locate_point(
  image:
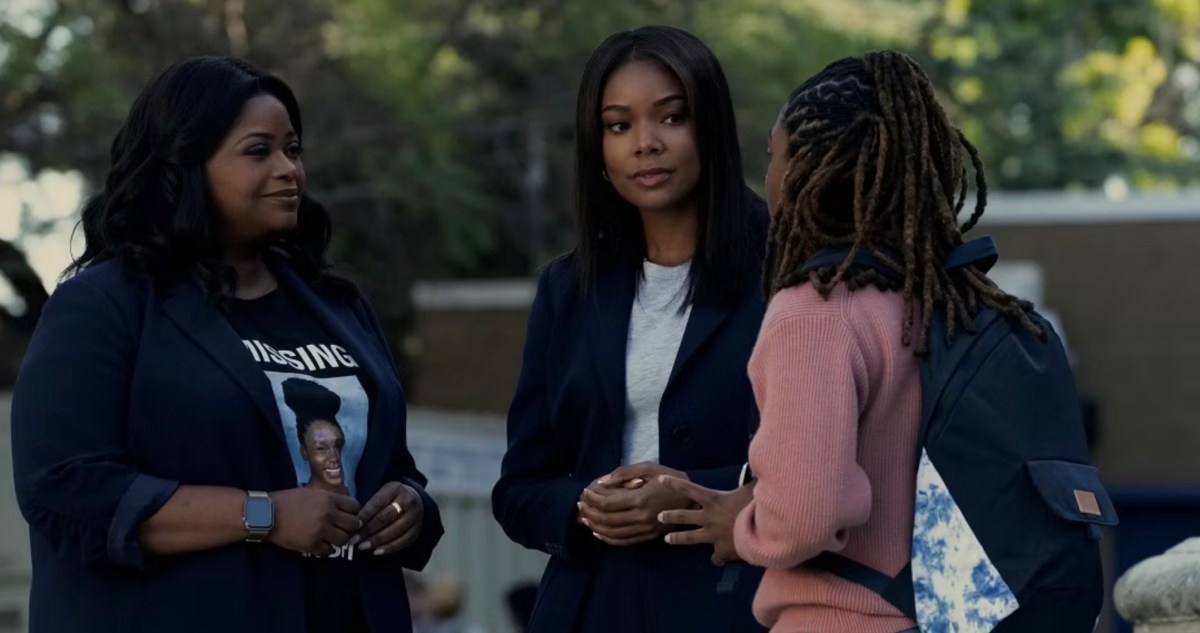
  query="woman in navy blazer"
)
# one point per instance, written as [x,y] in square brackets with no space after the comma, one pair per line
[636,352]
[181,382]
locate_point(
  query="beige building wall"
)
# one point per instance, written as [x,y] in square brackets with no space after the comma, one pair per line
[1128,296]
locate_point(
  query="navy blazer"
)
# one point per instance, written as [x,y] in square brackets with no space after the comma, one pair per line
[565,429]
[129,390]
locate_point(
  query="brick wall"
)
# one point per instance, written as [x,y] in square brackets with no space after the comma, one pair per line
[469,359]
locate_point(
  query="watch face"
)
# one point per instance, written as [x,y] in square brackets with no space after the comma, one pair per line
[259,513]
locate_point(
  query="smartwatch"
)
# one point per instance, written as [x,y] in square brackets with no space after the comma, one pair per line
[258,513]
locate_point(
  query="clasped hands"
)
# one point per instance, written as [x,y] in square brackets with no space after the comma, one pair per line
[317,522]
[622,508]
[645,501]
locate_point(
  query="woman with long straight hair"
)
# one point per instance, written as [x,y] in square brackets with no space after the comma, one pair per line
[634,362]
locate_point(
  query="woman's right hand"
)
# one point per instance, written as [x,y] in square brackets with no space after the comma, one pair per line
[313,521]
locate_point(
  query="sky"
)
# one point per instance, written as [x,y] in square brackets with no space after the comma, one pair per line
[50,201]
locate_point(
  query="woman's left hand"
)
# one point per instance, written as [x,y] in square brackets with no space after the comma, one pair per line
[715,514]
[391,520]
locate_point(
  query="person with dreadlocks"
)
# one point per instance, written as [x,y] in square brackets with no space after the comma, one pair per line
[862,158]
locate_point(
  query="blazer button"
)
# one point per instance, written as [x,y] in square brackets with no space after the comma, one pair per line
[681,435]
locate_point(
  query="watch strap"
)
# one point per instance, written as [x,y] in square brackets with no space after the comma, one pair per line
[746,476]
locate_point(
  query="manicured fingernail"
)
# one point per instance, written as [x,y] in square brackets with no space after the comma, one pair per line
[597,536]
[660,517]
[669,539]
[603,480]
[354,540]
[586,522]
[379,552]
[579,505]
[365,545]
[662,479]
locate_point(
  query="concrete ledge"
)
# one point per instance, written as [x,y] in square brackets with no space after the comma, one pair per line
[1162,594]
[474,294]
[1031,208]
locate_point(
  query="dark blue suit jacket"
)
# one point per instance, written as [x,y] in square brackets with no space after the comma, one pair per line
[565,429]
[128,391]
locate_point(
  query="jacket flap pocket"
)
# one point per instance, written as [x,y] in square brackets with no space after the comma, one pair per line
[1074,491]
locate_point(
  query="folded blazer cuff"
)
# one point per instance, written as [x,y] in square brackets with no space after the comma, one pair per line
[144,497]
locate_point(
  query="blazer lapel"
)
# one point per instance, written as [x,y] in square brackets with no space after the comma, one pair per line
[702,323]
[339,319]
[199,319]
[608,308]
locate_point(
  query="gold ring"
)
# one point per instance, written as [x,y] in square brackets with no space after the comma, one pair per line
[399,510]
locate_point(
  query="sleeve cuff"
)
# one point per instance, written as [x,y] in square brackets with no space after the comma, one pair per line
[747,475]
[570,542]
[145,496]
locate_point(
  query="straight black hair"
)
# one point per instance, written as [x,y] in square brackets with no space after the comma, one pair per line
[731,221]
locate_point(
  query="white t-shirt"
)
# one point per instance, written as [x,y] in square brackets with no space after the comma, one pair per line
[656,325]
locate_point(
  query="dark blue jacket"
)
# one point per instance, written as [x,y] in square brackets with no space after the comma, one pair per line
[565,429]
[128,391]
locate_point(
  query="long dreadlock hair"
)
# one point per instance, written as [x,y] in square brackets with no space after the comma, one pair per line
[875,165]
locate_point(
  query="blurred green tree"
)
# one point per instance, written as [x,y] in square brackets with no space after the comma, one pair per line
[1071,93]
[440,132]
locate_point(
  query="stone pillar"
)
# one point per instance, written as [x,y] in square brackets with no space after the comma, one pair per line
[1162,594]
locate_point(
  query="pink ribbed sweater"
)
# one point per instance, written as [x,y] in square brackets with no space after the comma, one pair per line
[840,403]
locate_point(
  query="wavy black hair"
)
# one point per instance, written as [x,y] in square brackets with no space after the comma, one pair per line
[154,212]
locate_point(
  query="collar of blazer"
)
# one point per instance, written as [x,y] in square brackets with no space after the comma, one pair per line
[607,311]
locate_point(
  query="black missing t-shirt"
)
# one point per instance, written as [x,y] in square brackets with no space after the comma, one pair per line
[324,406]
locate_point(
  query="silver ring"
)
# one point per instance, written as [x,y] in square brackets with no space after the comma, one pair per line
[398,509]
